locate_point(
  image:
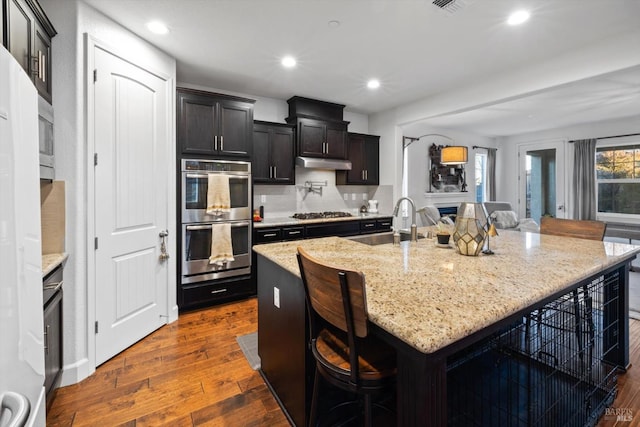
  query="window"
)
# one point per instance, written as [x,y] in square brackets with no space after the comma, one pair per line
[481,177]
[618,179]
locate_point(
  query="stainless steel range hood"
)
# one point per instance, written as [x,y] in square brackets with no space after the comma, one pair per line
[331,164]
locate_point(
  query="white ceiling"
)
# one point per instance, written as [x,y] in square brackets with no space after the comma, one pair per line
[414,48]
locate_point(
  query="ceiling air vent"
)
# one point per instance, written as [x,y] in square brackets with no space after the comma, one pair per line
[450,6]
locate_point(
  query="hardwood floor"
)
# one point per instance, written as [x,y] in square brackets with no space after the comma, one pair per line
[189,373]
[193,373]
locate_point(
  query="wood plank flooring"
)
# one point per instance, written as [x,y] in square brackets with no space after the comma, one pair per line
[193,373]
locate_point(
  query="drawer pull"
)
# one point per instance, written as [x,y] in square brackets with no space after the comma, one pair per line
[294,232]
[219,291]
[369,225]
[270,235]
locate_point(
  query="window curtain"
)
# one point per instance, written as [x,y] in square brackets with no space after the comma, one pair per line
[584,179]
[491,173]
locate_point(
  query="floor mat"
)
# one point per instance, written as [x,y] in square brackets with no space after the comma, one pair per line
[249,346]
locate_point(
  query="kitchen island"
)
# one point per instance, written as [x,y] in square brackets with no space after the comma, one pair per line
[430,303]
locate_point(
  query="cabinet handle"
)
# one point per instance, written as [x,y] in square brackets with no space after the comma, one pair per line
[366,174]
[215,143]
[369,225]
[221,142]
[275,172]
[269,235]
[291,233]
[41,66]
[219,291]
[35,66]
[46,340]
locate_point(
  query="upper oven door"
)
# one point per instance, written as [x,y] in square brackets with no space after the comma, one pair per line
[194,198]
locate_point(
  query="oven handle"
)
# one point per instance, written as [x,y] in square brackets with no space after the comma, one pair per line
[208,227]
[206,175]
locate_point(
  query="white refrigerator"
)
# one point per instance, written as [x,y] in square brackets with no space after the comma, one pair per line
[21,315]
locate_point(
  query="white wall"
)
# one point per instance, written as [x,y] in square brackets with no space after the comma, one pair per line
[72,19]
[507,158]
[603,57]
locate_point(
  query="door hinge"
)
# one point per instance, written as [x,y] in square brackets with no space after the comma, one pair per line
[96,327]
[95,75]
[95,243]
[95,159]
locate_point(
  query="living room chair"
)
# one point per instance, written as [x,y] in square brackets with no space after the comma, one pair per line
[582,229]
[346,355]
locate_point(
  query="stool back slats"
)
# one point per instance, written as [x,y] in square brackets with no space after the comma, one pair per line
[579,228]
[325,295]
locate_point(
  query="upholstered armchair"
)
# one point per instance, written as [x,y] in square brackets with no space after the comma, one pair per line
[503,217]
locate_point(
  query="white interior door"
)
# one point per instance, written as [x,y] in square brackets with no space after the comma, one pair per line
[131,208]
[541,189]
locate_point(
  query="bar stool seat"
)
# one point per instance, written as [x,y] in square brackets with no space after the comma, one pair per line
[347,357]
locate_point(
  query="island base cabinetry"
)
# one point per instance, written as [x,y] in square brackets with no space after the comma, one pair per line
[552,363]
[282,337]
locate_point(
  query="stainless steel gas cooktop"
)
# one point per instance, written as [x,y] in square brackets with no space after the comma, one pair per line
[320,215]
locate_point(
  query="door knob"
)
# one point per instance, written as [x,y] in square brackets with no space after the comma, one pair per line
[163,245]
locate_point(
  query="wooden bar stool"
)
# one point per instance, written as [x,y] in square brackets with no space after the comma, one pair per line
[346,356]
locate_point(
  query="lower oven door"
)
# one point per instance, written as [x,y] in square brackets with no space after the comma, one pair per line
[196,249]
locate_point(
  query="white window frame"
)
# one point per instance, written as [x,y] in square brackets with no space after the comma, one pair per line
[612,216]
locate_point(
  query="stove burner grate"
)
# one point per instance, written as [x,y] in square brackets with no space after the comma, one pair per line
[321,215]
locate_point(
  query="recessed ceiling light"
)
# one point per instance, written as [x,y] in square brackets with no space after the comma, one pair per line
[157,27]
[518,17]
[373,84]
[288,62]
[333,23]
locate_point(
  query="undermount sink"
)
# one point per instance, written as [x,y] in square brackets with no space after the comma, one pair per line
[381,238]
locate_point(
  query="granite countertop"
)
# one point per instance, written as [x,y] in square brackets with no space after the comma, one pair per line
[429,296]
[51,261]
[287,220]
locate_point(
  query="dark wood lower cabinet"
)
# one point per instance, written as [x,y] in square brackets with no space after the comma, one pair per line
[52,344]
[203,294]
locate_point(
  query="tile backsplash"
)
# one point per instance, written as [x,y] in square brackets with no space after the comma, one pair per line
[284,200]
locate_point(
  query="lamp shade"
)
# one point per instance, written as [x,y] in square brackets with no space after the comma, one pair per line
[453,155]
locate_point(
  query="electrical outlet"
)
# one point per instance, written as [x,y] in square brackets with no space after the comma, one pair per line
[263,198]
[276,297]
[345,196]
[353,196]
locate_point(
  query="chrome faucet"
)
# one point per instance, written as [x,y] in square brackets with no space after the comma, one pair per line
[414,227]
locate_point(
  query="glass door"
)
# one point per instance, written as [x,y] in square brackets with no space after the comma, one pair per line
[541,188]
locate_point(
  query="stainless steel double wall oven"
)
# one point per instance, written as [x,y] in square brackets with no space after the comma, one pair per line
[197,224]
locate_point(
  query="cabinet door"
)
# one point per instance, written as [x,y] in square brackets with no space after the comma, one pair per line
[372,160]
[196,124]
[52,341]
[336,138]
[282,155]
[235,128]
[42,62]
[357,157]
[311,137]
[260,162]
[19,32]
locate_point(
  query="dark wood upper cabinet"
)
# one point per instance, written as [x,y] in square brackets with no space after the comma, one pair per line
[27,33]
[214,124]
[273,153]
[320,138]
[364,154]
[321,132]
